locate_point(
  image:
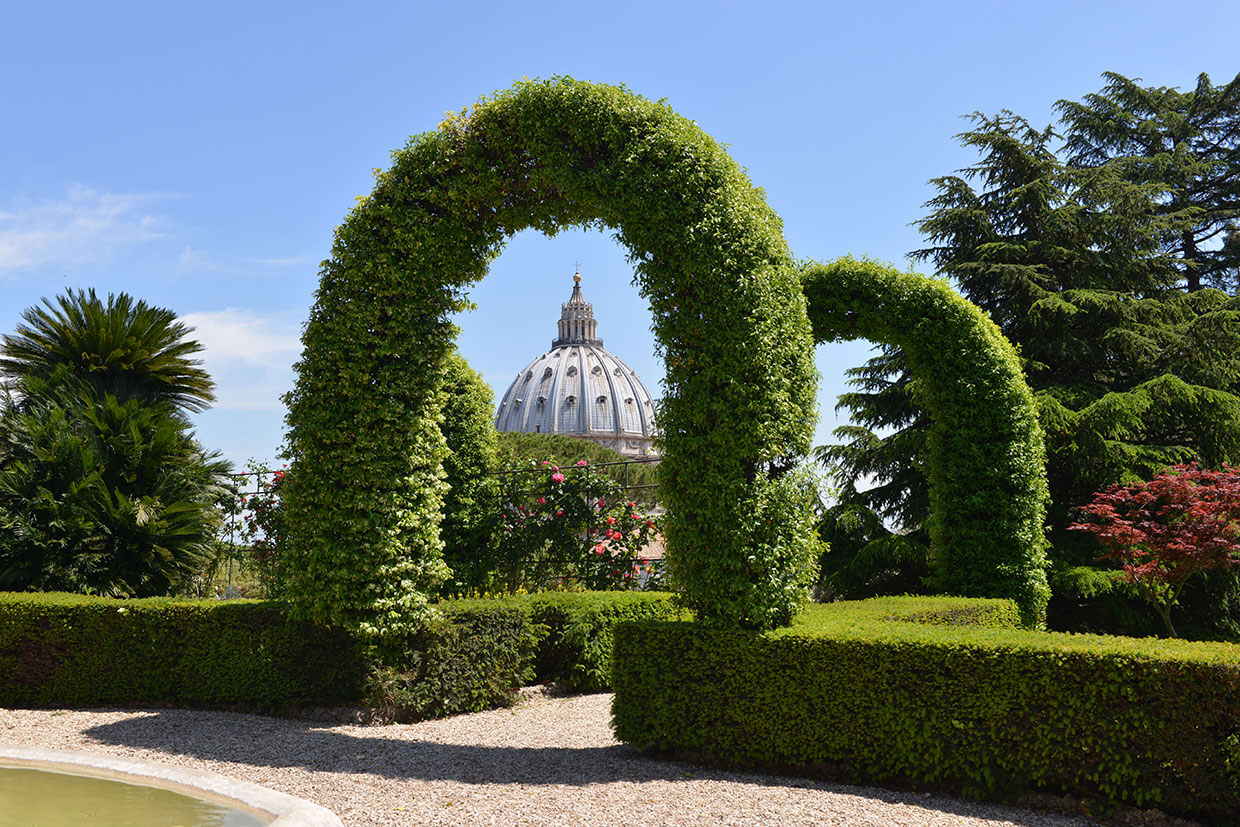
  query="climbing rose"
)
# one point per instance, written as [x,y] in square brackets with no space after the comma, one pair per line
[582,462]
[557,478]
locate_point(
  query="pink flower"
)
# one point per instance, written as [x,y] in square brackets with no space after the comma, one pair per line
[582,462]
[602,504]
[631,505]
[599,549]
[557,478]
[617,536]
[611,521]
[559,513]
[541,501]
[609,534]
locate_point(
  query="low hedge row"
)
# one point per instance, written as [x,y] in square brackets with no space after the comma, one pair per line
[481,650]
[895,688]
[73,650]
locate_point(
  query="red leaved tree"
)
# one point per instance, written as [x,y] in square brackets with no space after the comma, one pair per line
[1162,532]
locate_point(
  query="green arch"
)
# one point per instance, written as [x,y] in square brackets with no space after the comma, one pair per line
[986,463]
[364,491]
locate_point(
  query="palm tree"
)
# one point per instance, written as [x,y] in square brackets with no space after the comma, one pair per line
[103,488]
[125,348]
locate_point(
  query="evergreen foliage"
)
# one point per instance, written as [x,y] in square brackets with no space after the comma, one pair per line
[1085,265]
[365,490]
[102,487]
[942,692]
[471,503]
[984,453]
[124,347]
[1184,146]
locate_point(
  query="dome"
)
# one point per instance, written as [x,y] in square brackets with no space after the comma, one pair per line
[579,389]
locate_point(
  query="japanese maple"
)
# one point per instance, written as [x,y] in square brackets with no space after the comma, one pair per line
[1162,532]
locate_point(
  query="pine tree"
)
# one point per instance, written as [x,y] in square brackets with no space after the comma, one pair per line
[1079,266]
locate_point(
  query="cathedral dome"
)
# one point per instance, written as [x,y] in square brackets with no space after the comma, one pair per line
[581,390]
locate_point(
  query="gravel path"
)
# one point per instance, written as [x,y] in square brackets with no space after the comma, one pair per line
[546,761]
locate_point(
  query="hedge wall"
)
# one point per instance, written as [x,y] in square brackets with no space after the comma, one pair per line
[864,689]
[364,491]
[986,462]
[73,650]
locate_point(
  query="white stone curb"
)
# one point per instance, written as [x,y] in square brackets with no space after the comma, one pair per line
[285,809]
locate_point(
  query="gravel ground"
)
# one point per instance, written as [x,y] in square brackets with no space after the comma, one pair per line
[547,761]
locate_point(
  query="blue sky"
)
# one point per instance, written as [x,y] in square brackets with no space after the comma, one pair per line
[199,155]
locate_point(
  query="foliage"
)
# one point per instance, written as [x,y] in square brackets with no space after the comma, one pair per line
[639,478]
[105,497]
[864,559]
[365,492]
[568,527]
[60,650]
[481,651]
[124,347]
[576,652]
[470,526]
[102,486]
[1183,146]
[1089,266]
[985,459]
[1183,522]
[991,711]
[262,527]
[466,661]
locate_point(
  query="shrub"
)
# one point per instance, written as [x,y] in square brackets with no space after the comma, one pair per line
[1184,522]
[102,487]
[986,463]
[70,650]
[59,649]
[569,527]
[896,688]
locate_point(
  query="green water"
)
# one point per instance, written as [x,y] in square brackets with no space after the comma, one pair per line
[46,798]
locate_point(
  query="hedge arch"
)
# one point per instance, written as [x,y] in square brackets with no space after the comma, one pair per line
[987,463]
[364,490]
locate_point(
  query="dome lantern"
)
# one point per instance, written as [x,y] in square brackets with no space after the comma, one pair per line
[579,389]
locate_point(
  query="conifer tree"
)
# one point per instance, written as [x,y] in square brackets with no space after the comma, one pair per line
[1185,145]
[1079,265]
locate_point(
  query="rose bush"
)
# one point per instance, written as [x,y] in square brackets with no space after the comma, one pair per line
[569,528]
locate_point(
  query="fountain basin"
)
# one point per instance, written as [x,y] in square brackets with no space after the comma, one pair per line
[270,806]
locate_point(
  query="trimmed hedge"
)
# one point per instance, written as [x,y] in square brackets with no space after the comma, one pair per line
[60,649]
[73,650]
[364,494]
[873,690]
[986,462]
[576,648]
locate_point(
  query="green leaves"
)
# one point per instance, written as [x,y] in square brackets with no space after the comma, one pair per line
[102,487]
[985,455]
[364,492]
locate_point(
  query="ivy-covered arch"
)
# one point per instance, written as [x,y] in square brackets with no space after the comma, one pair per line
[986,459]
[364,491]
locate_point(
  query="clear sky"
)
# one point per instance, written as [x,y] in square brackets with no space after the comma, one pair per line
[199,155]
